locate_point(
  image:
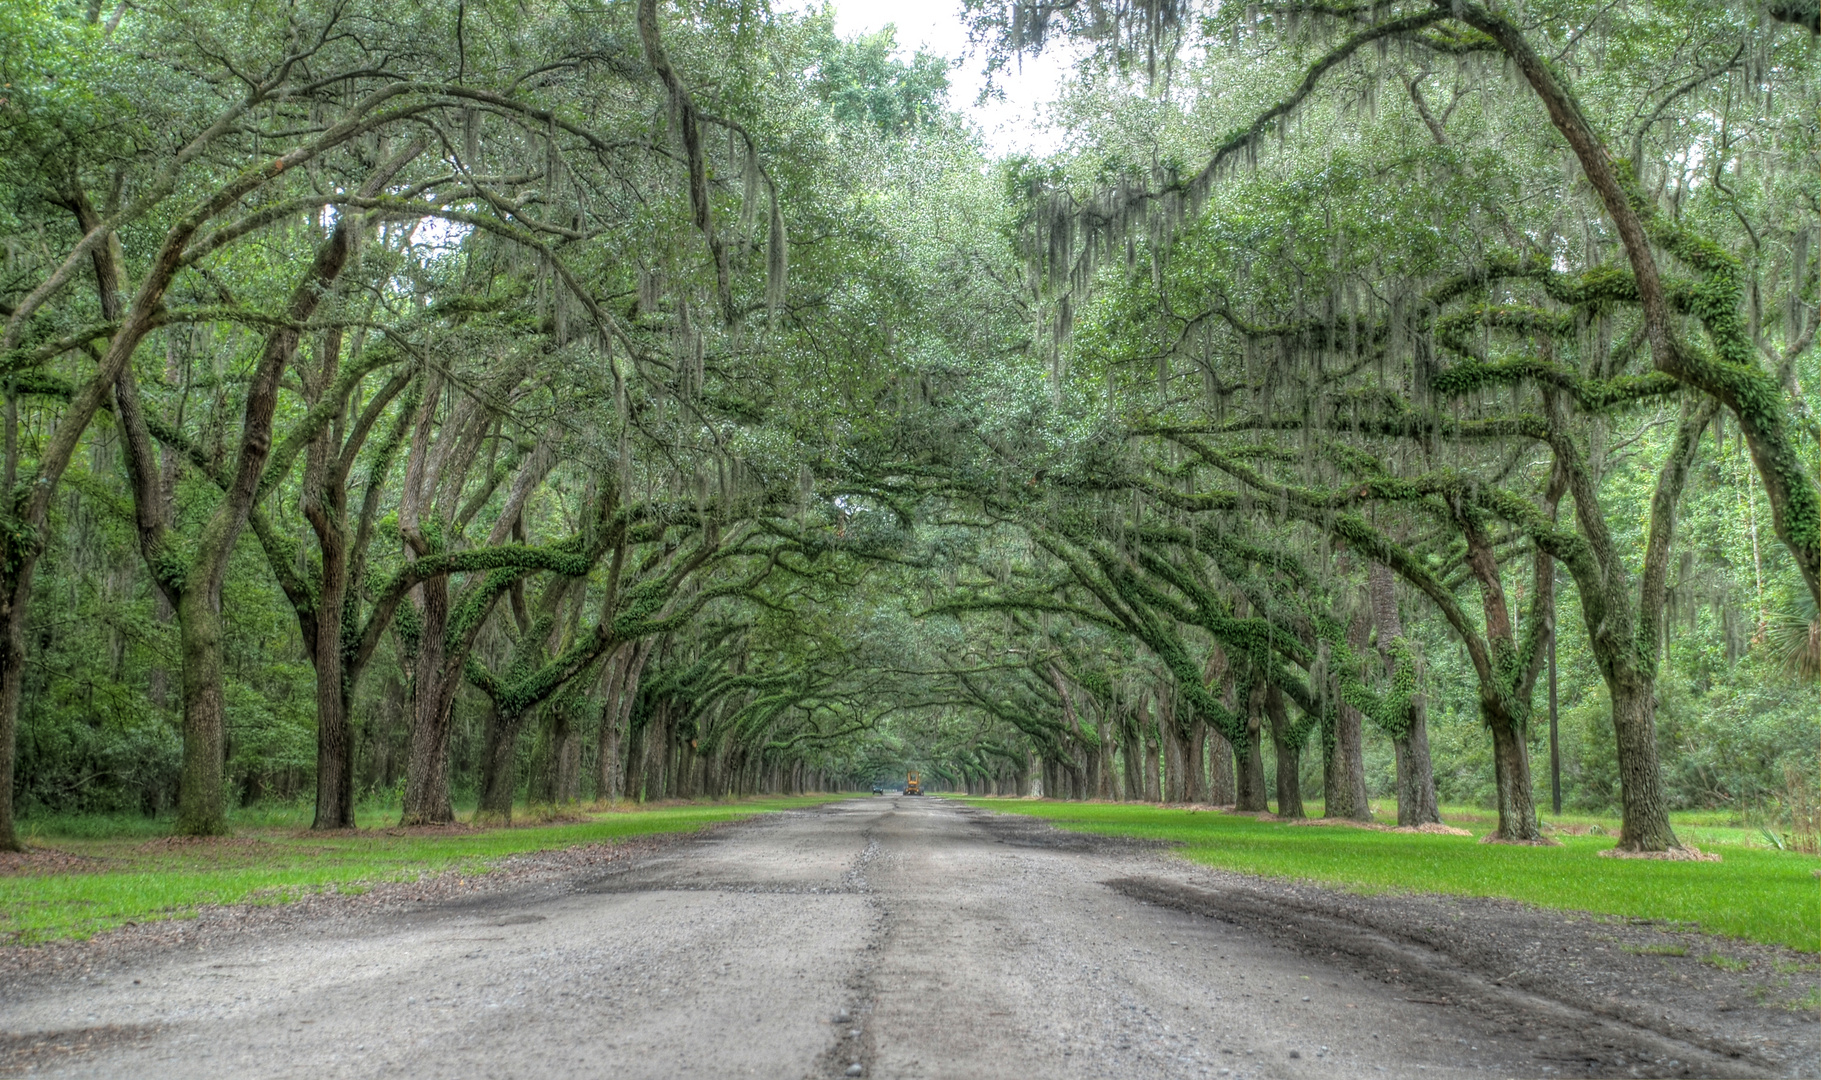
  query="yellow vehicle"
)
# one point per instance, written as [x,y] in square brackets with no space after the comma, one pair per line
[912,786]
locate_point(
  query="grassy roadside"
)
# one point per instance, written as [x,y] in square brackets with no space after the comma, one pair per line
[1755,893]
[75,883]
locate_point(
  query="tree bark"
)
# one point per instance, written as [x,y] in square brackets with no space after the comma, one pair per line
[1222,790]
[1132,753]
[1416,803]
[1153,789]
[1289,757]
[1344,760]
[1196,764]
[1645,822]
[426,799]
[334,731]
[1174,760]
[12,685]
[1249,793]
[1511,775]
[201,809]
[1415,774]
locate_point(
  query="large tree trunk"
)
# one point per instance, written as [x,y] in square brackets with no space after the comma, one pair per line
[609,774]
[201,810]
[1195,764]
[1249,793]
[334,732]
[1511,776]
[1289,756]
[1645,822]
[1131,755]
[426,799]
[1174,755]
[499,765]
[1416,803]
[1222,788]
[1415,775]
[1344,759]
[623,674]
[1344,768]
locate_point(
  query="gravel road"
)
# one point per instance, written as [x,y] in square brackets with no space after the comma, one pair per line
[893,937]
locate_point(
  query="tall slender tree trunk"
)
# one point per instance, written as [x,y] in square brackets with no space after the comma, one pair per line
[426,799]
[1249,793]
[1415,774]
[1289,756]
[12,685]
[1132,755]
[334,729]
[1153,788]
[1105,786]
[616,706]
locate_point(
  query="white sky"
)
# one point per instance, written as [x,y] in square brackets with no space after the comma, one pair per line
[1015,125]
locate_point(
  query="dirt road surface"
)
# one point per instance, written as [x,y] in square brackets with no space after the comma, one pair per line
[905,938]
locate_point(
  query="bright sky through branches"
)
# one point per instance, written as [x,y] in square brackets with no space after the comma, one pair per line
[1016,124]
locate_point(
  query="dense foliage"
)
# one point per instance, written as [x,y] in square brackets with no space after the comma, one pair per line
[504,402]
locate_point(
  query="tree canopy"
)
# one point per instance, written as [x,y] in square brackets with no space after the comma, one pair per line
[422,406]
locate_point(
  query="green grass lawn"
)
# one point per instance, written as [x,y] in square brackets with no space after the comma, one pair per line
[1756,893]
[89,875]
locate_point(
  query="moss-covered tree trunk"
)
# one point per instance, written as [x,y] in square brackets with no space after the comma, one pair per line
[201,794]
[1105,783]
[1289,756]
[1415,774]
[1195,762]
[499,763]
[1344,758]
[1175,761]
[1416,804]
[1222,788]
[1153,787]
[1250,795]
[426,800]
[1645,822]
[1511,774]
[1131,755]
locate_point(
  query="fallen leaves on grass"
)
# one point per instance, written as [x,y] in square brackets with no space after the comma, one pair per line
[1433,828]
[46,861]
[1681,854]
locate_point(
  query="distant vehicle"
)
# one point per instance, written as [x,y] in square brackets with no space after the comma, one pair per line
[878,789]
[913,786]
